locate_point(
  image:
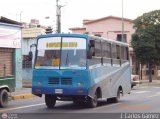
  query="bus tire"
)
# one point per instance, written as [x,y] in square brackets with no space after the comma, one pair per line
[4,98]
[92,102]
[50,100]
[118,96]
[114,99]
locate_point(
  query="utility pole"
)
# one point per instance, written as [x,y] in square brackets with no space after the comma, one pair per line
[122,24]
[58,14]
[20,15]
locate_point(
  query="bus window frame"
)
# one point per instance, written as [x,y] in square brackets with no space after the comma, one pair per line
[107,45]
[92,44]
[36,51]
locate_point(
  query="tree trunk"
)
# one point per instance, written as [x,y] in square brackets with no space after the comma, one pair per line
[150,72]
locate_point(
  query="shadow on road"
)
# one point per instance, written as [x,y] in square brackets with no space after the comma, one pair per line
[68,106]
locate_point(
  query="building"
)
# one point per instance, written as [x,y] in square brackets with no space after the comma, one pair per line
[10,50]
[109,27]
[29,34]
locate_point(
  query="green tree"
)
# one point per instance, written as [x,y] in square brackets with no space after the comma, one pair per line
[146,39]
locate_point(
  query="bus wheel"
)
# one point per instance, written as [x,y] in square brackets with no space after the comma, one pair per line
[92,102]
[116,99]
[50,100]
[3,98]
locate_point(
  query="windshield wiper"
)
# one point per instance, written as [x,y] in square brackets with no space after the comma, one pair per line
[67,60]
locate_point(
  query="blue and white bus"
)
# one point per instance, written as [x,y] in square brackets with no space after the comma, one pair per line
[80,68]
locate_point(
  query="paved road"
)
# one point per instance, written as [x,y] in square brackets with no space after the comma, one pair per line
[141,100]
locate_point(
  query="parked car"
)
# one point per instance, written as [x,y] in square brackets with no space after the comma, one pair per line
[134,80]
[7,85]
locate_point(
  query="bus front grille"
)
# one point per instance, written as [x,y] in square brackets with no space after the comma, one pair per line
[57,80]
[53,80]
[66,81]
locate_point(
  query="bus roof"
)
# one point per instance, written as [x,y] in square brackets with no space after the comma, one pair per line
[82,36]
[62,35]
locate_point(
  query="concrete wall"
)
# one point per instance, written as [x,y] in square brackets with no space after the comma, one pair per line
[18,68]
[109,28]
[79,31]
[27,72]
[29,37]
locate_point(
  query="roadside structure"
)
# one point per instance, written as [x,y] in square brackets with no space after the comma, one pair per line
[109,27]
[29,33]
[10,50]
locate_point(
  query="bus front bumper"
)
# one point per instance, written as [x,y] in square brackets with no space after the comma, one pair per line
[60,91]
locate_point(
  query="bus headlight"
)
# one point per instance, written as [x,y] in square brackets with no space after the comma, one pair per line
[80,83]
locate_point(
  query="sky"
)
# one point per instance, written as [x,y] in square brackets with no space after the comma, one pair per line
[74,11]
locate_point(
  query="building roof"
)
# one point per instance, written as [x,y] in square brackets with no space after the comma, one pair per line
[108,17]
[9,21]
[87,21]
[77,28]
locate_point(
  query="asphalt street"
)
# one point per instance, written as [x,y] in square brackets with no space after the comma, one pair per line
[141,100]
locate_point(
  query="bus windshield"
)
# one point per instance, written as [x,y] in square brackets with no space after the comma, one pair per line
[61,53]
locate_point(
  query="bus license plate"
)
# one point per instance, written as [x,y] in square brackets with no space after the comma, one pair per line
[58,91]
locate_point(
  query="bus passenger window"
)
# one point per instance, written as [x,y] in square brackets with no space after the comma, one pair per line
[114,52]
[124,51]
[98,49]
[106,52]
[104,49]
[124,54]
[92,43]
[118,51]
[92,48]
[95,48]
[127,55]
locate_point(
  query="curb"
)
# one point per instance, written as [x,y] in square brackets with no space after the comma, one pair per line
[22,96]
[149,84]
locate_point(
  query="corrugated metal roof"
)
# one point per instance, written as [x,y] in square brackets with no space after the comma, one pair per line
[9,21]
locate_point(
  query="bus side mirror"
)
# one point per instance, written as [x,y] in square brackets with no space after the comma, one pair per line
[30,55]
[30,52]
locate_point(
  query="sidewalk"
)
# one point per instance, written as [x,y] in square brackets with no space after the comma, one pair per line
[22,93]
[147,83]
[25,93]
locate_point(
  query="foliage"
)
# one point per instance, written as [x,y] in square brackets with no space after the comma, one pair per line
[146,39]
